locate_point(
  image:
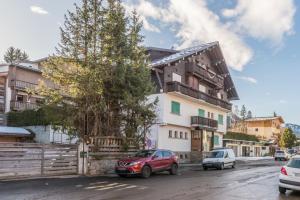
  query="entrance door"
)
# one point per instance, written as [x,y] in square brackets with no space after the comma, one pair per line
[196,140]
[257,151]
[246,151]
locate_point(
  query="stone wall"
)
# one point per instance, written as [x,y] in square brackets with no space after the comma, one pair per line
[100,163]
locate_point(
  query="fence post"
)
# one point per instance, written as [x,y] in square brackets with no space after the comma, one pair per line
[42,160]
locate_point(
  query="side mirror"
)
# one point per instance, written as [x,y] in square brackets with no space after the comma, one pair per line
[154,157]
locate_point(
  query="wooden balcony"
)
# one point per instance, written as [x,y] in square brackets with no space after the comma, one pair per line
[205,75]
[186,90]
[23,85]
[111,144]
[203,122]
[18,106]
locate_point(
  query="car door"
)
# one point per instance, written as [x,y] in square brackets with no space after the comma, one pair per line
[157,161]
[226,159]
[168,161]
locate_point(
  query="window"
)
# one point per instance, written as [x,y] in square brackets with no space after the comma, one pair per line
[181,135]
[170,134]
[158,154]
[212,115]
[201,112]
[202,88]
[176,134]
[216,140]
[208,114]
[263,148]
[186,135]
[167,154]
[20,98]
[175,107]
[256,129]
[220,119]
[176,77]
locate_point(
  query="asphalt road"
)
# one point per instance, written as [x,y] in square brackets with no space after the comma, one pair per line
[251,180]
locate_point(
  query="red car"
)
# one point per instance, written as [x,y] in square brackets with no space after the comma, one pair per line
[145,162]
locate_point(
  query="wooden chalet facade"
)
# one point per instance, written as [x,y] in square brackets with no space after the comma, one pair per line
[194,89]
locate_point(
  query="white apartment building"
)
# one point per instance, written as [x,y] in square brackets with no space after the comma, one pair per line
[193,88]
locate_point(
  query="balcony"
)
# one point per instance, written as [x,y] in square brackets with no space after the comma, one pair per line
[205,123]
[186,90]
[206,75]
[23,85]
[18,105]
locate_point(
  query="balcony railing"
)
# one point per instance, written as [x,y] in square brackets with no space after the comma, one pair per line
[22,85]
[17,105]
[205,74]
[204,122]
[184,89]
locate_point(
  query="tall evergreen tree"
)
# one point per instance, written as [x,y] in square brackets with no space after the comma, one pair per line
[243,112]
[249,114]
[287,139]
[102,70]
[15,56]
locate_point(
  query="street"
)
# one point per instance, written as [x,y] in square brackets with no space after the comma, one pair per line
[250,180]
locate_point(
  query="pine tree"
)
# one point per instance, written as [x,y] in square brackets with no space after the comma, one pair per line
[15,56]
[249,114]
[102,67]
[287,139]
[243,112]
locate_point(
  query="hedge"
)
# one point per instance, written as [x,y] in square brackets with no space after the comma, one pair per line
[27,118]
[240,136]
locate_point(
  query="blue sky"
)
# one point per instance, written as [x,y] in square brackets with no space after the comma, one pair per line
[259,38]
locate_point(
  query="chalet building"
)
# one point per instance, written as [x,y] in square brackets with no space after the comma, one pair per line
[194,89]
[15,81]
[265,128]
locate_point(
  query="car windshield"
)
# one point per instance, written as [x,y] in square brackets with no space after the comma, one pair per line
[144,153]
[294,163]
[216,154]
[291,151]
[279,152]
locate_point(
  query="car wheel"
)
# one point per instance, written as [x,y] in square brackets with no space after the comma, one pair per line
[282,190]
[174,169]
[221,167]
[233,165]
[275,159]
[146,172]
[204,168]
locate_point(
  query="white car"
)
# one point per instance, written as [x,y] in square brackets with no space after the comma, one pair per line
[219,158]
[289,178]
[280,155]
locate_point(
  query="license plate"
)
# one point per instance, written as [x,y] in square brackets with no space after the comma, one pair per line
[121,168]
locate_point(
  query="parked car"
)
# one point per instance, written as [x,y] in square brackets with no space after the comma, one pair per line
[145,162]
[280,155]
[289,178]
[219,158]
[290,153]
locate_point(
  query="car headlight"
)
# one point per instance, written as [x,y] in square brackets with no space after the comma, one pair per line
[134,163]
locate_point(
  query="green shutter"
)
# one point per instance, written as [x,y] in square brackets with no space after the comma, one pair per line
[216,140]
[175,107]
[220,119]
[201,112]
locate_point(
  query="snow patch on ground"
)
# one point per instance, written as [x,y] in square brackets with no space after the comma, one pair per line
[254,158]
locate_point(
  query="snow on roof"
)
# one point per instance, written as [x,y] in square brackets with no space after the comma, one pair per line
[264,118]
[182,53]
[13,131]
